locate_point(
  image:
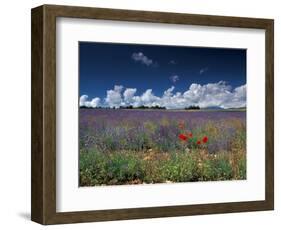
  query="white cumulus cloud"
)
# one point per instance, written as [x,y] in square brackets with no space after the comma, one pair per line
[114,97]
[148,97]
[218,94]
[129,94]
[83,100]
[95,102]
[140,57]
[203,70]
[174,78]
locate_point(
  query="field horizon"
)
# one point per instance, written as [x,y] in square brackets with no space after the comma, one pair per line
[244,109]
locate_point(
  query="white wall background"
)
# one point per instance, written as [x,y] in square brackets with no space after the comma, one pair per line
[15,113]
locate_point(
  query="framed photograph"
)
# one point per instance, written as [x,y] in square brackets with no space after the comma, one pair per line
[148,114]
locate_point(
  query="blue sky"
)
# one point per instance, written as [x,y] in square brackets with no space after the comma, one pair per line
[107,70]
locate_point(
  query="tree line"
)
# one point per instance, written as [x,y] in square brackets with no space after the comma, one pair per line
[192,107]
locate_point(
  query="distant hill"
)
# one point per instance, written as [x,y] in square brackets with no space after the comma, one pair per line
[239,108]
[219,108]
[213,108]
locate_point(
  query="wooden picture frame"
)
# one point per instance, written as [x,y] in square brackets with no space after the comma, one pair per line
[43,207]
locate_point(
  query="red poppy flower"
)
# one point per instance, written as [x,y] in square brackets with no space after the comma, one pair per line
[190,135]
[183,137]
[205,139]
[198,142]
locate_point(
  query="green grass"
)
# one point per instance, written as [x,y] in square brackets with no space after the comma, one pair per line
[130,167]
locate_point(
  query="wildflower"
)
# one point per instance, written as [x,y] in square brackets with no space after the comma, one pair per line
[181,125]
[205,139]
[183,137]
[198,142]
[190,135]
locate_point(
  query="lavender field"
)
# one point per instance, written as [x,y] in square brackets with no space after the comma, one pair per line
[120,146]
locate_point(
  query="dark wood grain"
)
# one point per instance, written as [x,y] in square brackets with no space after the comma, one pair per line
[43,207]
[37,204]
[269,114]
